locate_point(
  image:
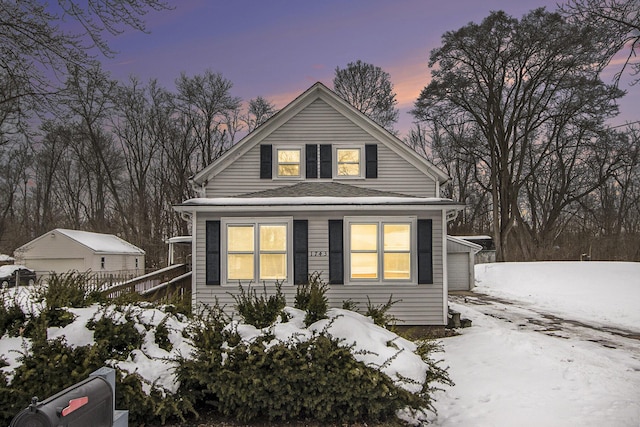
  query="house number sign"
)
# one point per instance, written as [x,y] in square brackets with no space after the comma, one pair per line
[317,253]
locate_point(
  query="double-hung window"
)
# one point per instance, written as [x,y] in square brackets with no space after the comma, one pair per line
[258,250]
[348,163]
[380,249]
[288,163]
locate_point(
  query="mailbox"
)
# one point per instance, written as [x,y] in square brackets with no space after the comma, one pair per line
[89,403]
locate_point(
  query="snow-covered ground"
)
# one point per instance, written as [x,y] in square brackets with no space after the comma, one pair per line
[522,363]
[512,369]
[605,293]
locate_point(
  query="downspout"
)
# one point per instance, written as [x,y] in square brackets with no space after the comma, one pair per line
[198,189]
[448,216]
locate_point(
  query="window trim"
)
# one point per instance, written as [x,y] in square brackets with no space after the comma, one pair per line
[302,165]
[362,168]
[255,222]
[381,221]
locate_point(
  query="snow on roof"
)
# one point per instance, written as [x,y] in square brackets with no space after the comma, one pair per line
[7,270]
[476,248]
[104,243]
[180,239]
[316,200]
[6,258]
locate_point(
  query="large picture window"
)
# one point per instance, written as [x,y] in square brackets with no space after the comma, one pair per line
[380,250]
[257,251]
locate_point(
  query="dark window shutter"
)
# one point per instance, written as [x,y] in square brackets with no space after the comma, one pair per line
[311,156]
[300,251]
[265,161]
[213,253]
[336,248]
[425,251]
[371,154]
[326,169]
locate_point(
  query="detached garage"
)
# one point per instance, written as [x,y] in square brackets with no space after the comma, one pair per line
[460,262]
[63,250]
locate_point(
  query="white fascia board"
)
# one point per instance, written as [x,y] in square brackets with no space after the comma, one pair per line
[474,246]
[313,208]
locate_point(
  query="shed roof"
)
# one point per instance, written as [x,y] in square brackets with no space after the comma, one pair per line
[473,247]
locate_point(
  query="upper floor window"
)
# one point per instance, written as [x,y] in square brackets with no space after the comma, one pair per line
[102,262]
[324,161]
[348,162]
[288,162]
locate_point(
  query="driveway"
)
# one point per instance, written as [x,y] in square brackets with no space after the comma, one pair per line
[529,317]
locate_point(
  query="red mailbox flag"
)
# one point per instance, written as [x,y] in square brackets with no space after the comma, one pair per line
[75,404]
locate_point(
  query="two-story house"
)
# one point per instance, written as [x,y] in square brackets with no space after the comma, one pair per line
[322,188]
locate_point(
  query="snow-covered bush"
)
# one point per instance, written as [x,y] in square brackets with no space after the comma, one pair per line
[341,368]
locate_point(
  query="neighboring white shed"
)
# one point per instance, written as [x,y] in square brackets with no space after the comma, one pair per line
[460,262]
[62,250]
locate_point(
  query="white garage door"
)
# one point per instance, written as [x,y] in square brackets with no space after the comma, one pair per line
[58,265]
[458,270]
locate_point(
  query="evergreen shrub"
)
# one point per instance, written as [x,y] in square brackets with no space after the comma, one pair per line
[118,338]
[311,297]
[69,290]
[317,379]
[380,313]
[12,320]
[260,311]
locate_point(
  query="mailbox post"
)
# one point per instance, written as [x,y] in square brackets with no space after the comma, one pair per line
[88,403]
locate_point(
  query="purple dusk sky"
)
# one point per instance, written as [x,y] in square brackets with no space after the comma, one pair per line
[278,48]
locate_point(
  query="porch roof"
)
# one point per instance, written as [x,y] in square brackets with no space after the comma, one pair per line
[318,196]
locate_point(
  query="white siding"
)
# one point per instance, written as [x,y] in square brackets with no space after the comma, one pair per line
[57,247]
[56,252]
[419,304]
[319,123]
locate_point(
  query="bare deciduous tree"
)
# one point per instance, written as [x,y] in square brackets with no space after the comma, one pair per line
[618,18]
[35,44]
[260,110]
[368,88]
[206,103]
[511,79]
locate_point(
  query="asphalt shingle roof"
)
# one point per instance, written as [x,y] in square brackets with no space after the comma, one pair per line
[321,189]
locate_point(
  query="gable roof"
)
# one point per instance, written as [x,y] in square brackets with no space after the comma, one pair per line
[97,242]
[319,91]
[103,243]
